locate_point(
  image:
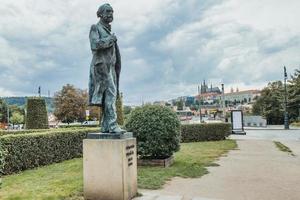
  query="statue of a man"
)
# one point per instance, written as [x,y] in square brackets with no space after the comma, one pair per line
[105,70]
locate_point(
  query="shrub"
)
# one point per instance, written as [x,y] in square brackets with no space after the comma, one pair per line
[25,151]
[297,124]
[26,131]
[205,132]
[2,155]
[157,130]
[79,126]
[36,116]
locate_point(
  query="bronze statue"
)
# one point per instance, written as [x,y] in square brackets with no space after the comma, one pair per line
[105,70]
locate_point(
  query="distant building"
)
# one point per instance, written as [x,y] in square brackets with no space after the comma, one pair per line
[161,103]
[187,100]
[246,96]
[205,89]
[209,97]
[255,121]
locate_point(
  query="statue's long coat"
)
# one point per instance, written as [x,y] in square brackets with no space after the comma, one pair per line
[105,65]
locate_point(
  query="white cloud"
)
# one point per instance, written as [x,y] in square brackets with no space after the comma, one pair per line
[168,47]
[6,93]
[237,45]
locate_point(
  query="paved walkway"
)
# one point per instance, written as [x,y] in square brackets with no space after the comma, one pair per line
[257,171]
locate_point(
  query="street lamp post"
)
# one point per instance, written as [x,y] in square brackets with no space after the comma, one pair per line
[223,102]
[286,115]
[199,93]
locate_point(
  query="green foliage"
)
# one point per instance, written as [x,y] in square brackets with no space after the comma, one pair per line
[25,151]
[66,128]
[179,104]
[36,116]
[79,126]
[270,103]
[205,132]
[283,148]
[3,111]
[127,110]
[21,101]
[70,104]
[294,96]
[297,124]
[58,181]
[17,118]
[157,130]
[119,106]
[2,161]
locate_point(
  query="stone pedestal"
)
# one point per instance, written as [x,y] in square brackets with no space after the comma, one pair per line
[109,169]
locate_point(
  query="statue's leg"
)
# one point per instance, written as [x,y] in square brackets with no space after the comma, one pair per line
[110,108]
[104,121]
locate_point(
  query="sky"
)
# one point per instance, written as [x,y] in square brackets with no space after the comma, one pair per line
[168,47]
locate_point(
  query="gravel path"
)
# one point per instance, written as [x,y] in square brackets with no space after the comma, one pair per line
[257,171]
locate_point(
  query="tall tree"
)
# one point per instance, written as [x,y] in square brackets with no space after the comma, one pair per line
[294,96]
[179,104]
[70,104]
[270,103]
[17,118]
[94,112]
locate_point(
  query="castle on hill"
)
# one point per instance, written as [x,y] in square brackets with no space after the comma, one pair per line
[204,89]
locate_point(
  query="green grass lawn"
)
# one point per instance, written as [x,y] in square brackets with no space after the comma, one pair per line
[64,180]
[297,124]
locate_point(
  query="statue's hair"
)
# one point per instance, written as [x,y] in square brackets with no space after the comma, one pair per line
[102,8]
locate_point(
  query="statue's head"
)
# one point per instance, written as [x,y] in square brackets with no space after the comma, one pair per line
[105,13]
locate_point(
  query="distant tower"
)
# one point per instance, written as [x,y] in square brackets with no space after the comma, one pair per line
[237,89]
[49,93]
[204,86]
[211,87]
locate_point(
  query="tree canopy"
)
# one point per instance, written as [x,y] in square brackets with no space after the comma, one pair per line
[271,102]
[70,104]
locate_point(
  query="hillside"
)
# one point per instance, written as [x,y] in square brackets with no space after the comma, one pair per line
[21,101]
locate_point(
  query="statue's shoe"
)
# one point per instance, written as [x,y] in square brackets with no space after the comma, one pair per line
[117,130]
[104,131]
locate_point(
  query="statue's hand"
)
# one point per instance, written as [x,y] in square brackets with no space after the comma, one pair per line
[113,37]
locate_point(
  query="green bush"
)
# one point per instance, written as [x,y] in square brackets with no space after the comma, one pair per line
[157,130]
[2,156]
[25,151]
[204,132]
[26,131]
[79,126]
[297,124]
[36,116]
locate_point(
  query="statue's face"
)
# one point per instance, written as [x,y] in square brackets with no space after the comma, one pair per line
[107,15]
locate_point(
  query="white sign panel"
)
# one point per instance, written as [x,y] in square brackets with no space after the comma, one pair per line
[237,120]
[87,112]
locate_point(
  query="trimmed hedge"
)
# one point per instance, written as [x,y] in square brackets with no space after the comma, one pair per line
[36,116]
[26,131]
[79,126]
[157,130]
[205,132]
[25,151]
